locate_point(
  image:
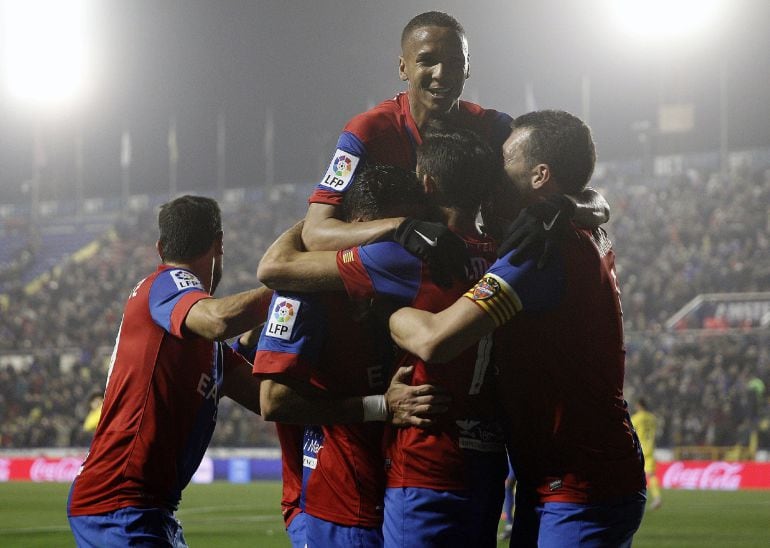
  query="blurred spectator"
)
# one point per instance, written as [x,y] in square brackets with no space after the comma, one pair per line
[676,237]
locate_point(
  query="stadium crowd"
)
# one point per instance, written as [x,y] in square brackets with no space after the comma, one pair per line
[676,237]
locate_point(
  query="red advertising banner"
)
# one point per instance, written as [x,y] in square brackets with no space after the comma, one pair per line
[40,469]
[719,475]
[687,474]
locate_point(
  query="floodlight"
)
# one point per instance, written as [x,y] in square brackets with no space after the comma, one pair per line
[45,49]
[664,19]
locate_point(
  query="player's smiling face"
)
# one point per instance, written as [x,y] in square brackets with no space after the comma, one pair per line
[434,61]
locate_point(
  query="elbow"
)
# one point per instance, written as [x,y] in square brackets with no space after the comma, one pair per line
[433,352]
[424,348]
[270,401]
[313,238]
[267,406]
[267,271]
[269,411]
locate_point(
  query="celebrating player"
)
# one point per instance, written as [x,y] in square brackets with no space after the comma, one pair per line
[320,346]
[448,478]
[167,374]
[558,338]
[435,64]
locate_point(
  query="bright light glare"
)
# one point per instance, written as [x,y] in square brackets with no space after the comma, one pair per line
[45,48]
[664,19]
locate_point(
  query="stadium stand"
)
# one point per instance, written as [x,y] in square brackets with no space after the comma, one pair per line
[677,235]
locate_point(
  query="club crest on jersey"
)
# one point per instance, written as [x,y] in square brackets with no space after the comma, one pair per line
[341,170]
[485,289]
[184,279]
[282,318]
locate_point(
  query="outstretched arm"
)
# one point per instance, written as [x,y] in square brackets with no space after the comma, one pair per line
[290,401]
[240,385]
[220,319]
[439,337]
[286,266]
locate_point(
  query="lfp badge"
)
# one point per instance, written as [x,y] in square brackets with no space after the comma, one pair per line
[282,318]
[341,170]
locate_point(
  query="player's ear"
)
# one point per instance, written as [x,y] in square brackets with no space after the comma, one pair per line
[467,66]
[159,247]
[402,69]
[541,175]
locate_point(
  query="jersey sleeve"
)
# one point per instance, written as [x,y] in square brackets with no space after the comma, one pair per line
[383,269]
[341,173]
[506,289]
[292,337]
[171,296]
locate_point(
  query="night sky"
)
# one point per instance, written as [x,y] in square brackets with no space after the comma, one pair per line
[311,65]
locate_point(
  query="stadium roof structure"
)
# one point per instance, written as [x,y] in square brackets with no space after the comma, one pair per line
[723,312]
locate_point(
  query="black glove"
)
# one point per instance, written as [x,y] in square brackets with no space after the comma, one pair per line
[539,228]
[443,250]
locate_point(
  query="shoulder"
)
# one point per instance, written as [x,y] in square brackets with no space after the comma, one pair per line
[490,123]
[387,254]
[382,118]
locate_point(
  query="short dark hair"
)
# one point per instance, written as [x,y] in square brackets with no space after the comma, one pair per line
[564,142]
[431,19]
[462,164]
[188,226]
[383,191]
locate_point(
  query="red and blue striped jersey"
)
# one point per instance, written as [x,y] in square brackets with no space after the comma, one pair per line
[388,135]
[338,346]
[561,358]
[434,458]
[160,404]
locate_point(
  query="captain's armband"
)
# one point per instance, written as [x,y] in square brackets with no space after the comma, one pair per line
[496,298]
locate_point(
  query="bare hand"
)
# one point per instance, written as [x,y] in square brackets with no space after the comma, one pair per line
[414,405]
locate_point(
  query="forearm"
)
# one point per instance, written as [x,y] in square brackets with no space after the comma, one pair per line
[324,232]
[591,208]
[441,336]
[220,319]
[286,266]
[282,403]
[242,387]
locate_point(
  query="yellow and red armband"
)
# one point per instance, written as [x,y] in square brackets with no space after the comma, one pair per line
[496,298]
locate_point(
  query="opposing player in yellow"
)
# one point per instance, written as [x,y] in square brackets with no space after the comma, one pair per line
[645,423]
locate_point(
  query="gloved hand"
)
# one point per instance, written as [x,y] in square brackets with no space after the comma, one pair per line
[539,228]
[444,251]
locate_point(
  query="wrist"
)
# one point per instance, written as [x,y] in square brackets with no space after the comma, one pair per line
[375,408]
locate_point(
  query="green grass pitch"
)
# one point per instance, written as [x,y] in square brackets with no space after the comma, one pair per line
[227,515]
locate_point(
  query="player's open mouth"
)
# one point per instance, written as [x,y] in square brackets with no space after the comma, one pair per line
[440,93]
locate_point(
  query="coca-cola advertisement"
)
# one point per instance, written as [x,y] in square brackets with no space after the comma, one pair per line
[61,470]
[717,475]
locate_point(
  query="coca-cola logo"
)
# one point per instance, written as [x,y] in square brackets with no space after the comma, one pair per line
[60,470]
[716,475]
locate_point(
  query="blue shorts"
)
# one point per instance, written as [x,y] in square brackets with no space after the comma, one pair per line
[325,534]
[149,527]
[425,517]
[297,530]
[557,524]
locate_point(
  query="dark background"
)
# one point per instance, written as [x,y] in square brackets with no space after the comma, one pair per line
[312,65]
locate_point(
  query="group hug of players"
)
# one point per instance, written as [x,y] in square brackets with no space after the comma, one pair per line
[449,305]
